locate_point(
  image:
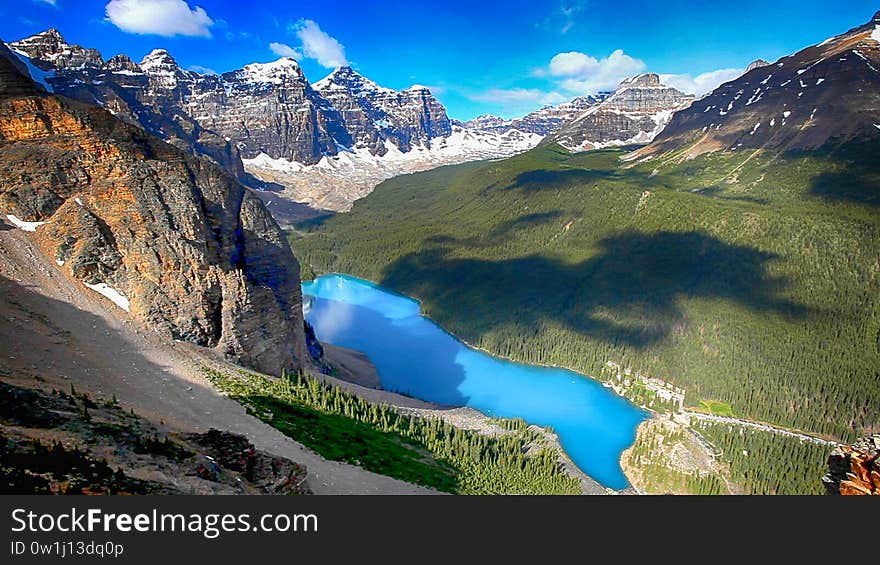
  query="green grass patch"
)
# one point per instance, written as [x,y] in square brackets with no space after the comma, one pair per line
[717,408]
[427,451]
[339,438]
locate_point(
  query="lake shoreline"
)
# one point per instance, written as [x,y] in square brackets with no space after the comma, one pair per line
[591,395]
[463,417]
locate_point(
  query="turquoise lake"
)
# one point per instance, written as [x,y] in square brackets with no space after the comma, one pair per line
[415,356]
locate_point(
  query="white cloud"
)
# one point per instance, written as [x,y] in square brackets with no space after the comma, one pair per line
[518,96]
[285,50]
[563,18]
[202,70]
[318,45]
[510,102]
[703,83]
[49,2]
[584,74]
[159,17]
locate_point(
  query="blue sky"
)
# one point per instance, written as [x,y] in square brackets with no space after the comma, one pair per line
[493,56]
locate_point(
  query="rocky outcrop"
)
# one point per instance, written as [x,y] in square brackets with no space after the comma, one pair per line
[171,238]
[757,64]
[50,47]
[60,443]
[635,113]
[373,114]
[828,92]
[266,109]
[855,469]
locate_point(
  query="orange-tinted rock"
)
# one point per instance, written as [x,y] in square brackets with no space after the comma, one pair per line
[197,256]
[855,469]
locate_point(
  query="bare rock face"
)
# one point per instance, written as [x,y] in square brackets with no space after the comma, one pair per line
[635,113]
[174,239]
[757,64]
[828,92]
[855,469]
[262,108]
[266,108]
[49,46]
[373,114]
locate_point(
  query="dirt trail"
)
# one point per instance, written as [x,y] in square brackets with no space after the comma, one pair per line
[53,329]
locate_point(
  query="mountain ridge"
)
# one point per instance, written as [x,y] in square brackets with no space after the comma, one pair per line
[172,239]
[822,93]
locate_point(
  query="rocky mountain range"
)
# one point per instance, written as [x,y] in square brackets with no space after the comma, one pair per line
[541,122]
[268,113]
[824,93]
[635,113]
[262,108]
[172,239]
[324,144]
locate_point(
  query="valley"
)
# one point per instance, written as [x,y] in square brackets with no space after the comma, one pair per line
[732,312]
[250,282]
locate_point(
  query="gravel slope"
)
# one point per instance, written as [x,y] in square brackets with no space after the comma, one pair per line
[53,329]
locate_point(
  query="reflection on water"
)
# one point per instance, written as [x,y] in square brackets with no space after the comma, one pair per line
[415,356]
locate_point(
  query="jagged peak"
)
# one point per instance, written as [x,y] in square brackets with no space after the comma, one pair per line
[341,74]
[346,78]
[157,57]
[50,47]
[51,33]
[121,62]
[418,88]
[284,63]
[487,117]
[643,80]
[273,71]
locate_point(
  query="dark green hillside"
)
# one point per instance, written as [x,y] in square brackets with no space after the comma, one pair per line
[747,279]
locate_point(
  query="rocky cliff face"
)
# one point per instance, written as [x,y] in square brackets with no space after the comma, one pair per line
[151,97]
[635,113]
[855,469]
[829,92]
[267,109]
[374,114]
[171,238]
[262,108]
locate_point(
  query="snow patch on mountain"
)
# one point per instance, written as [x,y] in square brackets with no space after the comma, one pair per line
[271,73]
[37,74]
[336,181]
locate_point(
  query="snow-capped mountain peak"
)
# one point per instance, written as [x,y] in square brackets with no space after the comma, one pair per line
[274,72]
[158,59]
[346,78]
[51,48]
[823,93]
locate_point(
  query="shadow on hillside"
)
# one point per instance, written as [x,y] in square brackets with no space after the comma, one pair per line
[855,177]
[857,185]
[628,293]
[500,233]
[542,180]
[720,193]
